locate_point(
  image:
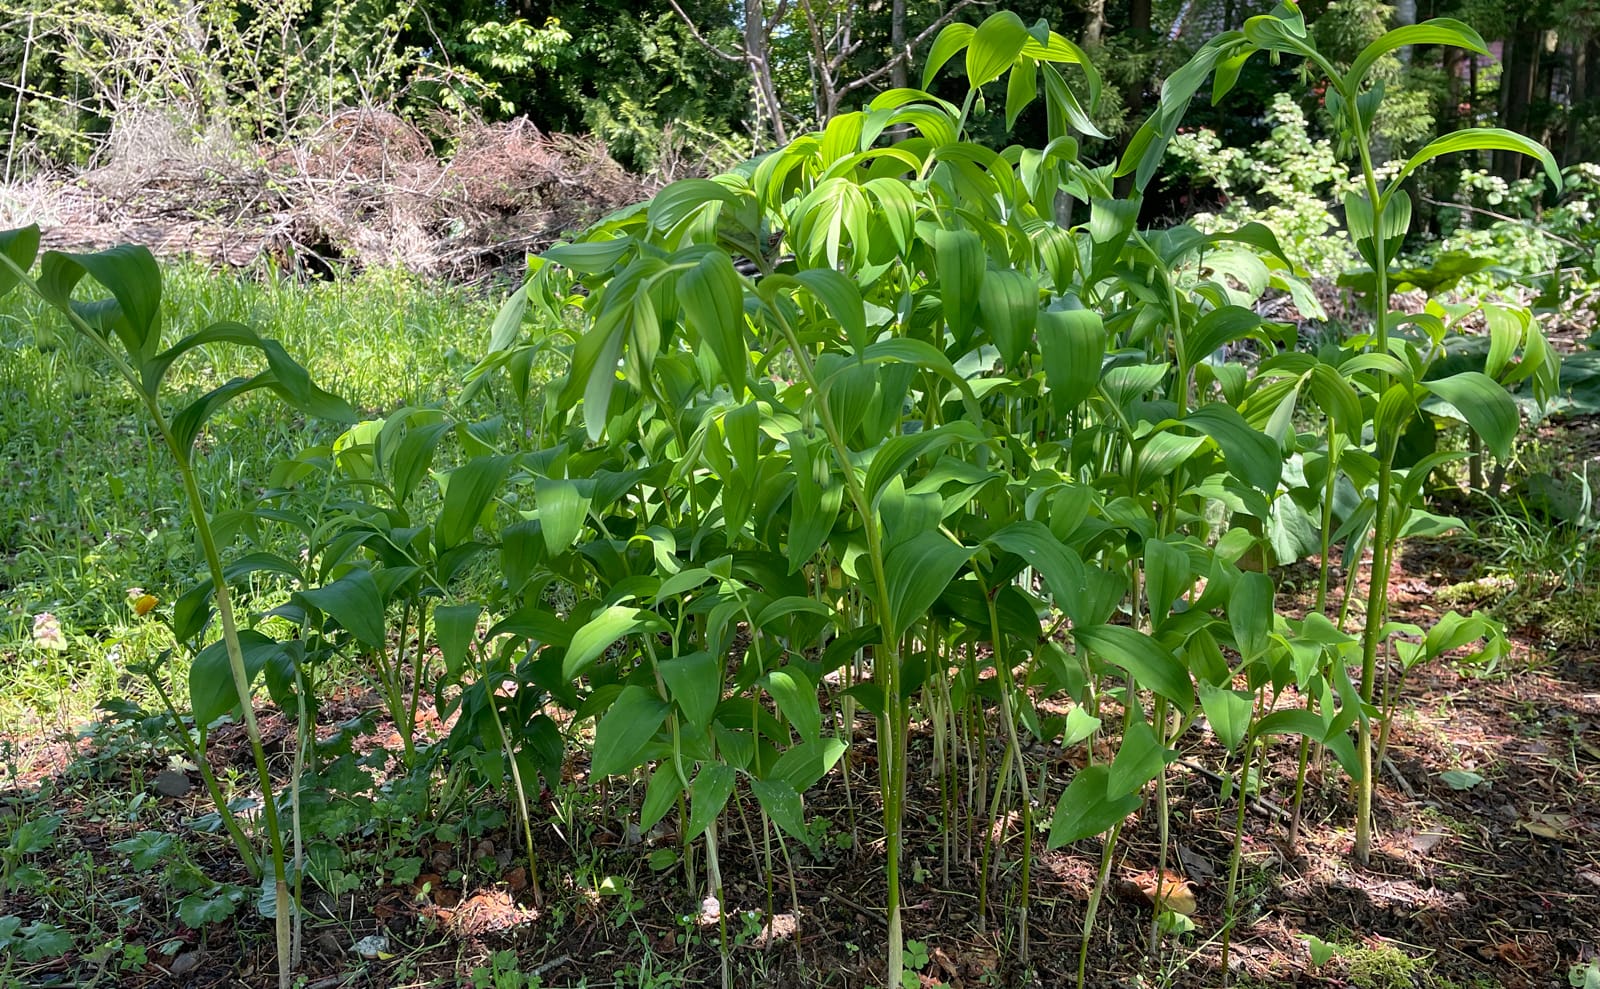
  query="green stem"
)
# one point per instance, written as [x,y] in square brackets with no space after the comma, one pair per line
[891,726]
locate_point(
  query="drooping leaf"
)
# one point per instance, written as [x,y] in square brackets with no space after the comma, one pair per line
[708,794]
[1484,404]
[454,627]
[212,689]
[1153,666]
[598,634]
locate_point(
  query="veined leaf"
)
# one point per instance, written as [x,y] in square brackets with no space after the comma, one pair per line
[562,508]
[713,303]
[625,729]
[1484,404]
[1481,139]
[994,46]
[694,682]
[959,256]
[353,601]
[454,627]
[1153,666]
[919,570]
[1438,31]
[212,690]
[1086,808]
[597,635]
[1072,345]
[21,246]
[1228,711]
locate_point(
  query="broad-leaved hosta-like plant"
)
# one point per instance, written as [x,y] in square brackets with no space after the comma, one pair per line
[864,425]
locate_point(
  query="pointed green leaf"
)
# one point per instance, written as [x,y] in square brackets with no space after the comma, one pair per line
[598,633]
[1086,809]
[1484,404]
[797,699]
[455,626]
[562,509]
[625,729]
[353,601]
[1153,667]
[708,794]
[1438,31]
[919,570]
[1229,712]
[1482,139]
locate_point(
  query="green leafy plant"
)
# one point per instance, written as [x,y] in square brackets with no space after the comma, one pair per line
[125,327]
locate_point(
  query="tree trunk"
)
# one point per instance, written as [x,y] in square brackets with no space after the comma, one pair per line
[898,77]
[768,109]
[1519,75]
[1094,32]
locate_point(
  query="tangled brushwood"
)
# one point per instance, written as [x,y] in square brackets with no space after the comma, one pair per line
[366,188]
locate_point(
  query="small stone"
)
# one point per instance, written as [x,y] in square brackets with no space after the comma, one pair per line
[169,783]
[184,963]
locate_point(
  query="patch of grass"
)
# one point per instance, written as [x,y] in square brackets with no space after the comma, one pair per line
[94,508]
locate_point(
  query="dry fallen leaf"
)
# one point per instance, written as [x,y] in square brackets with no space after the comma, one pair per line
[1546,825]
[1174,892]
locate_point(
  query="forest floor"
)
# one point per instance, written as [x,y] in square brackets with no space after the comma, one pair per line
[1486,870]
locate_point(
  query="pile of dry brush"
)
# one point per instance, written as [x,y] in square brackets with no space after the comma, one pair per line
[366,188]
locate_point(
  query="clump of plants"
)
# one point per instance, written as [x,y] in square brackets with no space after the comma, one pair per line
[861,428]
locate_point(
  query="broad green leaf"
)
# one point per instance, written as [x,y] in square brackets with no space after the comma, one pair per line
[783,805]
[959,257]
[1251,455]
[694,682]
[708,794]
[598,634]
[1008,306]
[587,258]
[842,298]
[455,626]
[1062,568]
[1250,613]
[468,492]
[1080,725]
[353,601]
[797,699]
[802,765]
[919,570]
[1229,712]
[133,277]
[1140,759]
[994,46]
[1153,667]
[1072,344]
[21,246]
[625,729]
[1167,576]
[1086,808]
[1481,139]
[1294,721]
[1217,328]
[713,303]
[562,507]
[659,795]
[952,39]
[212,690]
[1438,31]
[1484,404]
